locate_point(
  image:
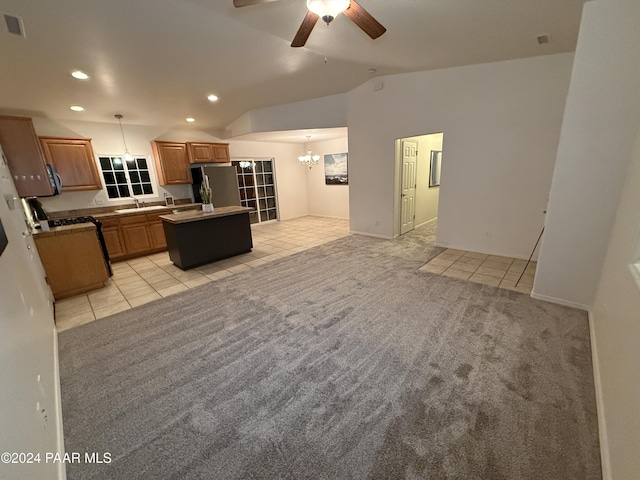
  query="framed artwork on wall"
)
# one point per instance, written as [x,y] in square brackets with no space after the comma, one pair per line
[335,169]
[434,171]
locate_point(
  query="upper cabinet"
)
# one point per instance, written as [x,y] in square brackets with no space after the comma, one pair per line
[172,163]
[74,161]
[208,152]
[24,155]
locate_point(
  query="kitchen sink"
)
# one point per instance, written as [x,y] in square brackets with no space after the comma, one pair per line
[142,209]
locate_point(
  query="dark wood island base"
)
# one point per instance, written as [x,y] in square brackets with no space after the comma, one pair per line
[196,238]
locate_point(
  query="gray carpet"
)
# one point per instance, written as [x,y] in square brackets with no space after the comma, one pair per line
[340,362]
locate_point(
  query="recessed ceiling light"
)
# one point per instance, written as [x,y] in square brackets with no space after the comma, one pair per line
[77,108]
[212,98]
[79,74]
[191,119]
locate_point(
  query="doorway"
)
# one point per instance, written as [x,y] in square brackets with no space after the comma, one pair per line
[419,162]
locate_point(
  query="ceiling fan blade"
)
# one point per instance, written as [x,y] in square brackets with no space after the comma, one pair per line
[364,20]
[246,3]
[304,31]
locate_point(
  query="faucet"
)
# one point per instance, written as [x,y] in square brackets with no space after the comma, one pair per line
[137,202]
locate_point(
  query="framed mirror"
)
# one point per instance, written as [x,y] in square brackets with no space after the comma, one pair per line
[434,171]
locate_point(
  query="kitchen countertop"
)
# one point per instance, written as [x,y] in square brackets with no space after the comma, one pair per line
[64,230]
[183,207]
[198,215]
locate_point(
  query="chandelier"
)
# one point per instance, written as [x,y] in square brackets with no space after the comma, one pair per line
[308,158]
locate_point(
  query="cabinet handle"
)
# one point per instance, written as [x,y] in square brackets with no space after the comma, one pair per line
[59,179]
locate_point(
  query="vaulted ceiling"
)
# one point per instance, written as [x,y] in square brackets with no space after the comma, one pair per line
[155,61]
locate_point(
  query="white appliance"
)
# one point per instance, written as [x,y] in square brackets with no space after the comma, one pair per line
[30,413]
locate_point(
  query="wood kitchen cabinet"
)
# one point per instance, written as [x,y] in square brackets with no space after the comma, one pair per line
[156,231]
[74,161]
[113,238]
[200,152]
[130,236]
[172,162]
[24,156]
[72,259]
[135,233]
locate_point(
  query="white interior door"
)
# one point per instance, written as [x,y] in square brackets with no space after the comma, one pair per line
[409,163]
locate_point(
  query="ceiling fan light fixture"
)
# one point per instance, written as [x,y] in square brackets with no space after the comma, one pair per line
[327,9]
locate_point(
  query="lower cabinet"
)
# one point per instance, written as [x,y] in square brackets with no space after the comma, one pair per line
[134,235]
[113,238]
[72,260]
[135,232]
[156,230]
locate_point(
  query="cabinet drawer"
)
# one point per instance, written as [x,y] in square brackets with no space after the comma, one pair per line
[109,222]
[155,217]
[130,219]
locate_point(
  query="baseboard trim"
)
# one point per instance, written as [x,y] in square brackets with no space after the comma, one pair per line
[435,219]
[560,301]
[62,471]
[326,216]
[375,235]
[605,460]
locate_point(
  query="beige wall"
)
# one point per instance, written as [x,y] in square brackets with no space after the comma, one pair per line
[326,200]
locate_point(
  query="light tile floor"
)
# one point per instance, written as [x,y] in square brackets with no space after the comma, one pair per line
[144,279]
[503,272]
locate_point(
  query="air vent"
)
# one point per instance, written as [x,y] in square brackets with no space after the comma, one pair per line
[543,39]
[14,24]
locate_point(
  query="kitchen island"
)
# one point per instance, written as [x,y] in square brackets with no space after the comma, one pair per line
[196,238]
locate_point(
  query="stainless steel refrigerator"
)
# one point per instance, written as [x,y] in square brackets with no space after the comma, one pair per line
[222,180]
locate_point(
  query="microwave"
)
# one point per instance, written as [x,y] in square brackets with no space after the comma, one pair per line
[55,180]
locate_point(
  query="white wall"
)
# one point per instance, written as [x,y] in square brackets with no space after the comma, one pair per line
[322,112]
[601,120]
[426,198]
[106,138]
[501,122]
[326,200]
[594,219]
[616,332]
[29,380]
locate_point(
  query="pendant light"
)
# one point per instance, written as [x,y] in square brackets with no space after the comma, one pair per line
[127,156]
[308,158]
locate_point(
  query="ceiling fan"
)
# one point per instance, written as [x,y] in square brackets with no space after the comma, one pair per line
[327,10]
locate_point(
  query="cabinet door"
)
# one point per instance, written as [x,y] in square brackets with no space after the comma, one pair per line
[73,262]
[25,158]
[74,161]
[220,152]
[115,242]
[156,231]
[200,152]
[136,238]
[172,162]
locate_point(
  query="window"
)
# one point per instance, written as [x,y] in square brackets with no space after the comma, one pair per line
[257,187]
[126,178]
